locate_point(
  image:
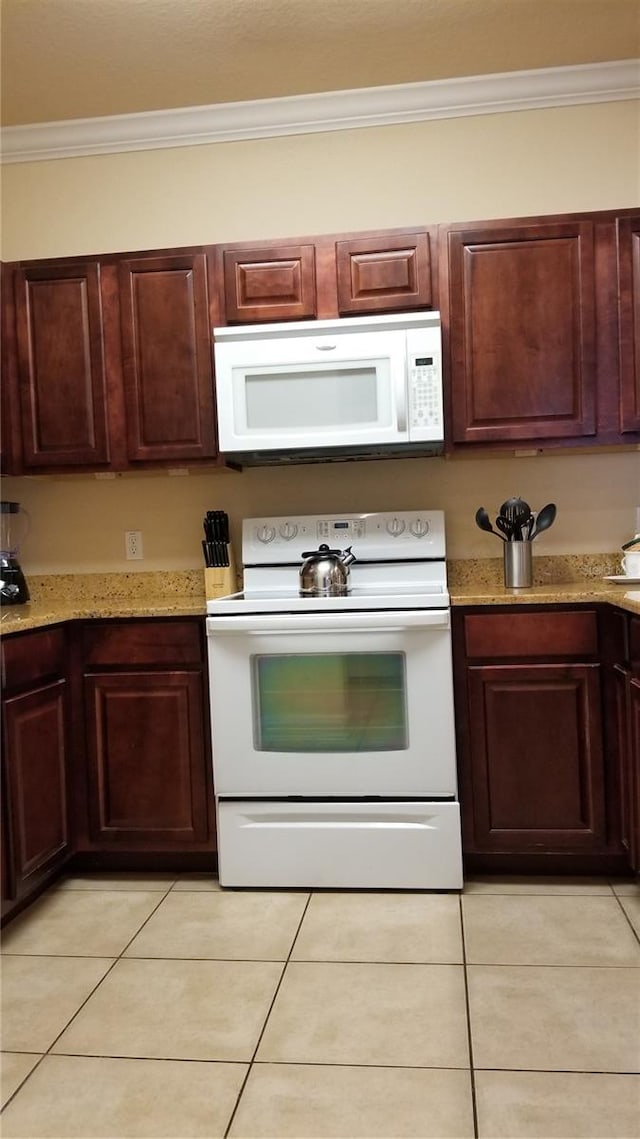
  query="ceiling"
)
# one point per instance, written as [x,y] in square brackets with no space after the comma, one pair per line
[69,59]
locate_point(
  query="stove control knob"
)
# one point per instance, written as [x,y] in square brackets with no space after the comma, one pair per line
[419,528]
[265,534]
[288,531]
[395,526]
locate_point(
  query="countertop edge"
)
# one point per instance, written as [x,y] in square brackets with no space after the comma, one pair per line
[37,615]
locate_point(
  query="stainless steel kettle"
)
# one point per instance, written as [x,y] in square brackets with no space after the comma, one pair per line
[325,572]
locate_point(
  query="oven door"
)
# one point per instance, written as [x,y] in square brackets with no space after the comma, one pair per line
[333,705]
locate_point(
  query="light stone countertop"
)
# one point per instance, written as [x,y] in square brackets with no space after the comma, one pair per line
[567,593]
[68,597]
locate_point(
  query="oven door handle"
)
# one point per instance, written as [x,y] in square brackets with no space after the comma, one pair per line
[288,624]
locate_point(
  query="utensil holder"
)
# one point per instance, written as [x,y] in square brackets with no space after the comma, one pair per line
[518,569]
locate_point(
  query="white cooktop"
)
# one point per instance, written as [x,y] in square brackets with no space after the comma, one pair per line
[400,563]
[427,596]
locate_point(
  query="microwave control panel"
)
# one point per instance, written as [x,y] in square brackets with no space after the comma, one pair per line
[425,395]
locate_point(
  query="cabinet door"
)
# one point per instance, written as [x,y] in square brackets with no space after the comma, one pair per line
[384,274]
[147,757]
[34,740]
[634,775]
[522,341]
[10,443]
[629,322]
[61,369]
[536,758]
[276,282]
[621,729]
[167,365]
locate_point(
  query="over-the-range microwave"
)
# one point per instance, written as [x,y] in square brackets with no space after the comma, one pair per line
[329,389]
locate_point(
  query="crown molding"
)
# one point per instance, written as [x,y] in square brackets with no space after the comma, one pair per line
[335,110]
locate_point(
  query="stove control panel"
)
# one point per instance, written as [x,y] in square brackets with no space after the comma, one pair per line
[403,535]
[339,530]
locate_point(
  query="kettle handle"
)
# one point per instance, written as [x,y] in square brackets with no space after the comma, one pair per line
[323,549]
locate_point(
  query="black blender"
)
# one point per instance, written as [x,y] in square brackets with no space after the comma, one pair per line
[14,525]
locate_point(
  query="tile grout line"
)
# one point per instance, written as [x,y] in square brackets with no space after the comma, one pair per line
[262,1031]
[89,995]
[627,918]
[474,1105]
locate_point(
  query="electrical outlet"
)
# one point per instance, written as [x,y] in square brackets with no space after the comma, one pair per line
[133,545]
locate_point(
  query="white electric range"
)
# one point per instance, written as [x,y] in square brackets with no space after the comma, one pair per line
[332,717]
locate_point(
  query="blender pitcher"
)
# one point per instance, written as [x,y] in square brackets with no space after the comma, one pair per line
[14,526]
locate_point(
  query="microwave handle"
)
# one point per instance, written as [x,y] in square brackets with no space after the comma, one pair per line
[401,390]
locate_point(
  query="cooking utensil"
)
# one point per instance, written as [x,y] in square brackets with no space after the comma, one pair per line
[544,520]
[484,522]
[216,539]
[506,527]
[516,509]
[216,526]
[325,572]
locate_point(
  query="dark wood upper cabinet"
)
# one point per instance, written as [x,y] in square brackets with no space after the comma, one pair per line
[10,448]
[521,317]
[628,249]
[276,282]
[108,361]
[166,355]
[324,277]
[61,365]
[380,274]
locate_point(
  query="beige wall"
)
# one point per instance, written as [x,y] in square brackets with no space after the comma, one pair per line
[575,158]
[79,523]
[503,165]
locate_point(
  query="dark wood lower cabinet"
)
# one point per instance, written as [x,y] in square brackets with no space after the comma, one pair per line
[37,836]
[147,769]
[536,757]
[106,745]
[536,794]
[106,757]
[623,671]
[145,750]
[633,803]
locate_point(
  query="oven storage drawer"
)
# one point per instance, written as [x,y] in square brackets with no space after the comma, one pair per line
[353,845]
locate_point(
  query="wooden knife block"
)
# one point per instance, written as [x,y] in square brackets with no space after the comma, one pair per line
[220,580]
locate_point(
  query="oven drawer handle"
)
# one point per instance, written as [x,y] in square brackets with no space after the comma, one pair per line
[290,625]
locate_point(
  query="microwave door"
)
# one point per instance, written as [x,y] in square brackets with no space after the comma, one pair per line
[335,399]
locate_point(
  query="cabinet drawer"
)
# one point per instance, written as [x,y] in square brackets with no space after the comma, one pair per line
[29,657]
[143,642]
[517,635]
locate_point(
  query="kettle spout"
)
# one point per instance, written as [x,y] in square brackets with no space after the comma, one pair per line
[347,557]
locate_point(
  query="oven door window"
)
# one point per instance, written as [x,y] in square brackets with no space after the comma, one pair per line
[330,702]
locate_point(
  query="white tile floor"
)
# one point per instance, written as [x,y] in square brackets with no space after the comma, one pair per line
[154,1006]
